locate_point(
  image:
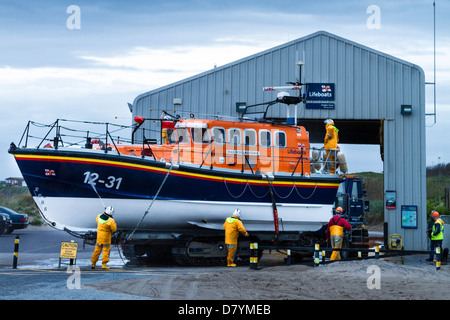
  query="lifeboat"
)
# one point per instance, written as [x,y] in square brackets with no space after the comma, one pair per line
[185,186]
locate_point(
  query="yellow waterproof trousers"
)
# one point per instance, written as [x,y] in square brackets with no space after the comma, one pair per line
[231,252]
[98,250]
[336,243]
[330,156]
[336,236]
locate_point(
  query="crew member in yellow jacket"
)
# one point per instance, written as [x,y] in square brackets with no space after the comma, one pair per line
[330,144]
[233,225]
[106,226]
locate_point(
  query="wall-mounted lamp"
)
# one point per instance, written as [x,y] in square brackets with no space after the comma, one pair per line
[240,107]
[406,109]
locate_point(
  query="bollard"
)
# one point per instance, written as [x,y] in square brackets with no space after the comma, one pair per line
[359,254]
[288,259]
[377,252]
[254,255]
[316,255]
[16,252]
[323,256]
[438,258]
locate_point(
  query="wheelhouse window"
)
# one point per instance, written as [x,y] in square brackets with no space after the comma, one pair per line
[250,139]
[265,140]
[219,135]
[234,137]
[201,135]
[183,135]
[280,139]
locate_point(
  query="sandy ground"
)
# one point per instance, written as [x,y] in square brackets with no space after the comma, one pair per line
[361,280]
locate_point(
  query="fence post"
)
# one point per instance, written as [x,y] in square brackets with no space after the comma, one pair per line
[316,254]
[16,252]
[377,252]
[438,258]
[254,255]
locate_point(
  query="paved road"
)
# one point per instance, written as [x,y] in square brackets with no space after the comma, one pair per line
[35,240]
[39,278]
[40,248]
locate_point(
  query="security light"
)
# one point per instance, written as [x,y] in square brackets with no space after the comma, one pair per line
[406,109]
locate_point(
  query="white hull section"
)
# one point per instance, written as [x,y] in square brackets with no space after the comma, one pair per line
[78,214]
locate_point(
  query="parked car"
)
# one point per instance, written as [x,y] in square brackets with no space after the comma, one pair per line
[19,220]
[5,223]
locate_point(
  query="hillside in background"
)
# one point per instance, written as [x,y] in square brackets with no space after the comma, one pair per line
[20,200]
[438,178]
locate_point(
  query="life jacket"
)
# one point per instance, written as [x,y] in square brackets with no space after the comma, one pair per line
[231,219]
[336,230]
[103,218]
[440,235]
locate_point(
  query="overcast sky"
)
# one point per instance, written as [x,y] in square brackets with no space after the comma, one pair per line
[124,48]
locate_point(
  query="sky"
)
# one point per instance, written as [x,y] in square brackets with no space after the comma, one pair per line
[88,63]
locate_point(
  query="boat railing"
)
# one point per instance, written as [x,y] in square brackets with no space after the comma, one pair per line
[255,160]
[324,160]
[301,161]
[57,134]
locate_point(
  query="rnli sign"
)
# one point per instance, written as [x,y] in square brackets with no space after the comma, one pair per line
[320,92]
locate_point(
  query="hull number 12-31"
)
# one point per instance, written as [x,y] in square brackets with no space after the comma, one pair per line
[110,182]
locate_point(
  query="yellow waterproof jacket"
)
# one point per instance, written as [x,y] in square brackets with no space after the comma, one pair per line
[106,226]
[232,228]
[331,137]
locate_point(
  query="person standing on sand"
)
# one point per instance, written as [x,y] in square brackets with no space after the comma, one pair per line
[436,234]
[233,225]
[335,232]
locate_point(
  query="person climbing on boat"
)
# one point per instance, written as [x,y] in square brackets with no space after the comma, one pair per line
[330,145]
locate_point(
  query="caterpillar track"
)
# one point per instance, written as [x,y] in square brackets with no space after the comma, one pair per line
[186,252]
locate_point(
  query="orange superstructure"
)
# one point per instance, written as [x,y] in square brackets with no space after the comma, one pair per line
[239,145]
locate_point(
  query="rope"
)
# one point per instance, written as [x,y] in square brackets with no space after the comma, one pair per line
[293,186]
[259,197]
[151,204]
[245,188]
[306,198]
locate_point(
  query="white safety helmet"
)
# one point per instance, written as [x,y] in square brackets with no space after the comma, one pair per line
[237,213]
[329,121]
[109,210]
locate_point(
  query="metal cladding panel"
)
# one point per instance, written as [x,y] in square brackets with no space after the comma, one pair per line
[369,85]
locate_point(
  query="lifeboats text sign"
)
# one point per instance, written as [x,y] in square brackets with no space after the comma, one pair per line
[68,250]
[320,92]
